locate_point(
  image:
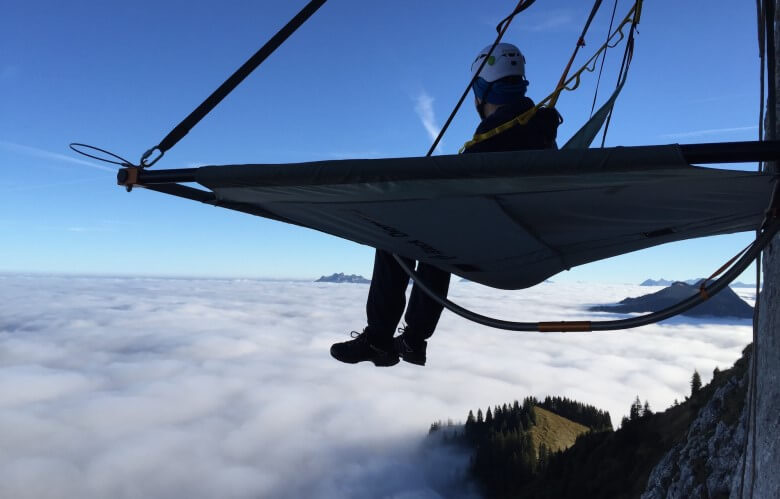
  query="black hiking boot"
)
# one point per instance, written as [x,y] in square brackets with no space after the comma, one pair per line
[360,349]
[410,349]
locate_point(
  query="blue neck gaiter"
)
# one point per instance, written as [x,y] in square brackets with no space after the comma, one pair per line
[499,92]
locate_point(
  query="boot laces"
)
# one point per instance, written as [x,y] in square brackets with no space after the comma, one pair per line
[363,338]
[410,347]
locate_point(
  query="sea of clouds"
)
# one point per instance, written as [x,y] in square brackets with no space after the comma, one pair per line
[161,388]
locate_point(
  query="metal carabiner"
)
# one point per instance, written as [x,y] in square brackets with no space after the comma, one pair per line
[144,159]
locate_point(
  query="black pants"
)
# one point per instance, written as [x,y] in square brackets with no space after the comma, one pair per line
[387,299]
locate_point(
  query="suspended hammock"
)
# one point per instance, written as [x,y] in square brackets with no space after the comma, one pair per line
[507,220]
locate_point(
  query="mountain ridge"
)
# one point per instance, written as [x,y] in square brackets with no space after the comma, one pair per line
[340,277]
[724,304]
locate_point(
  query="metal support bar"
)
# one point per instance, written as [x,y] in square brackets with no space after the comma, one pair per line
[135,175]
[722,152]
[731,152]
[183,191]
[131,177]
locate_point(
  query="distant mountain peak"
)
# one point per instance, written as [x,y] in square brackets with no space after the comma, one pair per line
[724,304]
[666,282]
[342,278]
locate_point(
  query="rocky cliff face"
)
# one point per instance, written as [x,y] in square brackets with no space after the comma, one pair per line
[707,463]
[763,466]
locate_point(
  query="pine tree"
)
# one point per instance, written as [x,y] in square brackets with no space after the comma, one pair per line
[646,411]
[695,383]
[470,419]
[479,416]
[636,409]
[541,459]
[488,416]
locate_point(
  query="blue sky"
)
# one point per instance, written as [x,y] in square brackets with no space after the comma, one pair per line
[360,79]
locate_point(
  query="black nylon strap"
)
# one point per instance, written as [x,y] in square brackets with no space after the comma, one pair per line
[508,19]
[593,11]
[235,79]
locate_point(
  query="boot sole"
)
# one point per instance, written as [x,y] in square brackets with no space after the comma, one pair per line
[391,361]
[417,362]
[385,363]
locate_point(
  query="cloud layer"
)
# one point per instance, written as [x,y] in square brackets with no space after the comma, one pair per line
[224,388]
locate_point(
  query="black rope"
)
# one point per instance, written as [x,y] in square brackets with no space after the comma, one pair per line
[771,80]
[771,70]
[603,58]
[762,85]
[628,55]
[75,146]
[760,31]
[501,29]
[521,6]
[643,320]
[753,388]
[231,83]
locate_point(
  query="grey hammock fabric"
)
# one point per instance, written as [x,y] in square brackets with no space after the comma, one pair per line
[507,220]
[585,135]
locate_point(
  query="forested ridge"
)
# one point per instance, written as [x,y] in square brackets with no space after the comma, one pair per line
[509,459]
[505,453]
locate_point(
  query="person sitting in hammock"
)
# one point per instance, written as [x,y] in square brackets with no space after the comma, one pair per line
[499,96]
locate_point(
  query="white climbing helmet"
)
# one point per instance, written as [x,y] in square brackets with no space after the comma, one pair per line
[506,60]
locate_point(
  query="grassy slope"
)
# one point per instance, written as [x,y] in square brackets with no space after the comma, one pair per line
[555,432]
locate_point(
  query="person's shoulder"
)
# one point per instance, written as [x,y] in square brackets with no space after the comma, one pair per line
[519,107]
[540,132]
[547,120]
[504,114]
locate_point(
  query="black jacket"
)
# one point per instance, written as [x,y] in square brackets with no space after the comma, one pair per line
[539,133]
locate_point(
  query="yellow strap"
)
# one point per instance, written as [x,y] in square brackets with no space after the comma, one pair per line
[550,100]
[517,120]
